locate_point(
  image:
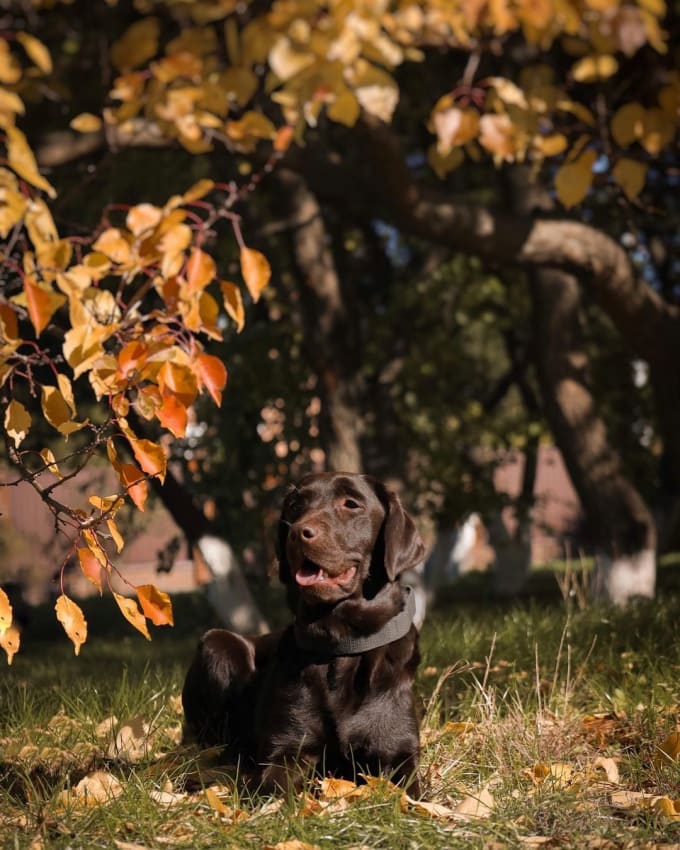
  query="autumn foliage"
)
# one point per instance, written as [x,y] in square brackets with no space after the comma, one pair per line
[100,332]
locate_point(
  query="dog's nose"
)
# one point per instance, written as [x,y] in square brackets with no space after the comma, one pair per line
[309,532]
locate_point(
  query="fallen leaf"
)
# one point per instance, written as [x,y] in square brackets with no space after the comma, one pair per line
[633,800]
[475,806]
[168,798]
[610,767]
[98,787]
[294,844]
[669,750]
[131,743]
[433,810]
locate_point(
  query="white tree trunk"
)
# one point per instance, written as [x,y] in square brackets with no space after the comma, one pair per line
[226,588]
[620,579]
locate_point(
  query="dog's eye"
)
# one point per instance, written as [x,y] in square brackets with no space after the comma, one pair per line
[351,504]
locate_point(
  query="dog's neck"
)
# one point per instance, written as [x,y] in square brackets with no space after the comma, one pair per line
[357,625]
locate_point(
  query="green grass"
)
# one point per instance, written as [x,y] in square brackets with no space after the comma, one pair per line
[537,683]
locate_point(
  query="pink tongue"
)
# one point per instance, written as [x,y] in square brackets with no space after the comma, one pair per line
[306,578]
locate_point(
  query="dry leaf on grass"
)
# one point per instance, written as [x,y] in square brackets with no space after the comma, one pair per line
[295,844]
[129,845]
[97,788]
[131,743]
[610,768]
[559,774]
[106,728]
[475,806]
[669,750]
[168,798]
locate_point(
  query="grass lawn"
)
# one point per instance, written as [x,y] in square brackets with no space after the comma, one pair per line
[542,726]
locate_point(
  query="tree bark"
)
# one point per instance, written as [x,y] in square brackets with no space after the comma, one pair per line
[330,333]
[619,521]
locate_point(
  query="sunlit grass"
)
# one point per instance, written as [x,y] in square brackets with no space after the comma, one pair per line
[529,688]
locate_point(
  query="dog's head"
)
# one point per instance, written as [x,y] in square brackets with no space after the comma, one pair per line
[340,532]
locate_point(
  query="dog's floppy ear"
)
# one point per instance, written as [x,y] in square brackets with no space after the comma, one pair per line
[402,543]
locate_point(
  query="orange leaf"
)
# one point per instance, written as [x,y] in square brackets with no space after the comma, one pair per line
[151,457]
[256,271]
[233,303]
[73,621]
[179,380]
[172,414]
[200,270]
[90,567]
[283,138]
[132,614]
[10,640]
[5,612]
[212,374]
[41,303]
[135,483]
[156,605]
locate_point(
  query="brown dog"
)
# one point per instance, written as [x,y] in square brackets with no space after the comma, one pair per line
[333,691]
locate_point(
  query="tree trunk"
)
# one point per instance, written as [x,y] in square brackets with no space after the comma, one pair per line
[329,330]
[214,560]
[620,523]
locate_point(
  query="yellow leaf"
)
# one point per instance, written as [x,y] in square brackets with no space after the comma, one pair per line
[73,621]
[287,61]
[573,179]
[138,44]
[455,127]
[551,145]
[21,159]
[434,810]
[86,122]
[36,51]
[115,534]
[441,165]
[669,750]
[156,605]
[96,789]
[630,175]
[668,808]
[256,271]
[198,190]
[132,614]
[17,422]
[593,68]
[628,123]
[143,217]
[57,411]
[215,803]
[233,303]
[10,641]
[5,612]
[50,462]
[345,109]
[333,789]
[114,245]
[40,224]
[610,767]
[497,135]
[13,205]
[657,132]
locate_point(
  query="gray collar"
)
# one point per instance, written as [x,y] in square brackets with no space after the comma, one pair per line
[393,629]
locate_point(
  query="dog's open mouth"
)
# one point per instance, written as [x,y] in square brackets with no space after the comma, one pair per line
[309,573]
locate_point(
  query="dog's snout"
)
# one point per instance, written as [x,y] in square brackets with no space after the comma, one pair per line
[305,531]
[309,532]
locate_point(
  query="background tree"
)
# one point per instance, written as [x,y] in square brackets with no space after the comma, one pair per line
[393,122]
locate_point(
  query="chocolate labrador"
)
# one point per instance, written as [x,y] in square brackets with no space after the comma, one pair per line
[332,693]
